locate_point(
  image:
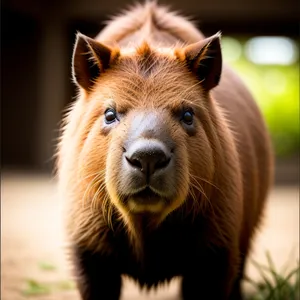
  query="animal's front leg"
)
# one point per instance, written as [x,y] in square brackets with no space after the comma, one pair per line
[211,277]
[97,276]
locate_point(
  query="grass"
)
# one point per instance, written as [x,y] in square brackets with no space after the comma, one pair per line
[34,287]
[275,285]
[37,288]
[45,266]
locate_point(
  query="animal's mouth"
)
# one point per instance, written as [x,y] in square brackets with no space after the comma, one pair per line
[146,196]
[146,201]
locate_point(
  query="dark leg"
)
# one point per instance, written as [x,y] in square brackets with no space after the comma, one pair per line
[97,276]
[236,293]
[194,288]
[211,277]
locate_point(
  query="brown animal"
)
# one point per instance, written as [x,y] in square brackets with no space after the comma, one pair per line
[164,160]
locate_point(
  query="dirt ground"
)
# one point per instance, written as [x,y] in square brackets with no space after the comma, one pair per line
[32,237]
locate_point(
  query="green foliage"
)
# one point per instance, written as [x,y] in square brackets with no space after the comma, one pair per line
[45,266]
[275,286]
[276,89]
[34,288]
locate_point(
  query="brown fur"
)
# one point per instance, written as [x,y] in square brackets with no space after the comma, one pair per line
[223,169]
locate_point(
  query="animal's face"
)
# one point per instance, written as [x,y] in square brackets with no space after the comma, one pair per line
[143,130]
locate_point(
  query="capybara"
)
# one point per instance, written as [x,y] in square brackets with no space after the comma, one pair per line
[164,160]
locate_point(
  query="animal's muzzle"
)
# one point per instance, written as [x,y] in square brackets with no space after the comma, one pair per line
[148,157]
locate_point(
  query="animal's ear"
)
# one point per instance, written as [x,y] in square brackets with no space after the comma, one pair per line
[204,59]
[90,59]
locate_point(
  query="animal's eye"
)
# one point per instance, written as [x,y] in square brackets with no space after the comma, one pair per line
[187,117]
[110,116]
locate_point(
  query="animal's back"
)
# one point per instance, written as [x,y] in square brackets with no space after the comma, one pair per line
[253,145]
[152,23]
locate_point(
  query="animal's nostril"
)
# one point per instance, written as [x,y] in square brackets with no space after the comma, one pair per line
[134,162]
[162,163]
[149,157]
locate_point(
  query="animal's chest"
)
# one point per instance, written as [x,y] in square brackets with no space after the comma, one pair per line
[163,256]
[157,263]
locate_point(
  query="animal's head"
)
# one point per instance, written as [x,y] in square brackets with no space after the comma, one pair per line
[142,129]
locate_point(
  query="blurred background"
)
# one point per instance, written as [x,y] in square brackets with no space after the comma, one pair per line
[260,40]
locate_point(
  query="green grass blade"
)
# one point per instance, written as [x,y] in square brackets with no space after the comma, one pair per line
[283,283]
[35,288]
[261,269]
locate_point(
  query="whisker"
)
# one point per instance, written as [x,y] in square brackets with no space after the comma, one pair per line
[208,202]
[198,186]
[90,186]
[195,203]
[90,175]
[208,182]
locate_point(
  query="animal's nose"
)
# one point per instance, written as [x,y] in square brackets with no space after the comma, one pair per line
[148,156]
